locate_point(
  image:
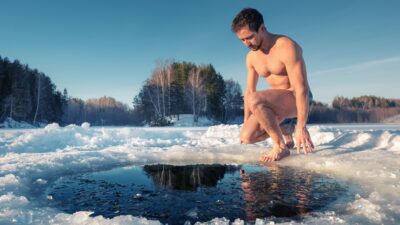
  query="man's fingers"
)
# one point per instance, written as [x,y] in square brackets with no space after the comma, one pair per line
[309,149]
[312,144]
[299,145]
[305,146]
[303,140]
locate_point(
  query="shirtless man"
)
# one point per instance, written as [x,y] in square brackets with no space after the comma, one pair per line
[279,60]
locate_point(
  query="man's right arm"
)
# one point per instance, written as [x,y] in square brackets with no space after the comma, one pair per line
[251,84]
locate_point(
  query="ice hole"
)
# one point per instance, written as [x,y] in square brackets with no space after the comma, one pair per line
[175,194]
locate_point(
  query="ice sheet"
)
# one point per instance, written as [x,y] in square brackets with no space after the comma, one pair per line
[30,159]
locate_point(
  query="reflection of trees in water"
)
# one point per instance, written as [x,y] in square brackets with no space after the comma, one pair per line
[188,177]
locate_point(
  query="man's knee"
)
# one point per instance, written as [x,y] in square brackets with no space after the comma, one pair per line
[251,138]
[246,138]
[255,100]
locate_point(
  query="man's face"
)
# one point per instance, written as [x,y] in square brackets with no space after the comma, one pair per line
[250,38]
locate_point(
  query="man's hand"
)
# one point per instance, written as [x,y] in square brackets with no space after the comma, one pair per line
[303,139]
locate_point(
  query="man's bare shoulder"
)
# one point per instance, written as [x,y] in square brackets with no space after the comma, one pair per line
[287,48]
[286,43]
[249,59]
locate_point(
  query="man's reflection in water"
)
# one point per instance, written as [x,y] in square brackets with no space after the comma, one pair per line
[186,177]
[280,192]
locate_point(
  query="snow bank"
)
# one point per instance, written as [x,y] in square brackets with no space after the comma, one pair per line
[394,119]
[31,159]
[186,120]
[10,123]
[83,217]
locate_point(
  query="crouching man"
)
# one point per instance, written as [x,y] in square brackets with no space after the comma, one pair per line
[273,112]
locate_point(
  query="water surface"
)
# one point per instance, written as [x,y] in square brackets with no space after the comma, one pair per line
[176,194]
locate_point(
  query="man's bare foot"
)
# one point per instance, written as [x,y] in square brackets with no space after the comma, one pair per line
[290,144]
[276,154]
[289,141]
[287,131]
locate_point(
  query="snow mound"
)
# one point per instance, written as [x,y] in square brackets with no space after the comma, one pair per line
[7,180]
[85,125]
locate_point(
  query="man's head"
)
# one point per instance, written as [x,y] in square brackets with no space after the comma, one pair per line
[248,25]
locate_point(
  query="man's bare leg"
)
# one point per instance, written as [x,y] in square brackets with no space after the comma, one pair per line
[267,107]
[287,131]
[269,122]
[252,132]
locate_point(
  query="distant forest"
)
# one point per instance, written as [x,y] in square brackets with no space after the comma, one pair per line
[363,109]
[185,88]
[173,88]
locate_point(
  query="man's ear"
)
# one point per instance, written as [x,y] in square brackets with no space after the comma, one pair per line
[262,28]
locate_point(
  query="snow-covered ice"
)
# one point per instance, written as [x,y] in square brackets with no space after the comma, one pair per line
[31,159]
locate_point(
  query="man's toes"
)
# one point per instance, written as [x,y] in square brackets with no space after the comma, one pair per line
[263,158]
[266,158]
[272,158]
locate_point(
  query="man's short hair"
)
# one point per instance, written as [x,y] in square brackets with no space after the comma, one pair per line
[247,16]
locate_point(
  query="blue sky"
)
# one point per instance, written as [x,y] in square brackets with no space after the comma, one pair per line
[108,48]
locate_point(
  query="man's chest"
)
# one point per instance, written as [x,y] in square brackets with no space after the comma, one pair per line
[266,65]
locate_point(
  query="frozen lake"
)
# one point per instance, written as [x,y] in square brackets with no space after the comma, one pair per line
[94,175]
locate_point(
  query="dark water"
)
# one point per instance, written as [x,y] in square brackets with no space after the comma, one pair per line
[175,194]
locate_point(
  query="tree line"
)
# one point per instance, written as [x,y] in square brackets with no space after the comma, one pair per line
[176,88]
[363,109]
[28,94]
[104,111]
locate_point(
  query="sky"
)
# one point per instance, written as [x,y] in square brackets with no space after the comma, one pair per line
[109,48]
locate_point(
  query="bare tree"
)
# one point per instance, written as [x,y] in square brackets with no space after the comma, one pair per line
[9,103]
[168,71]
[154,97]
[233,100]
[38,97]
[195,92]
[160,75]
[162,79]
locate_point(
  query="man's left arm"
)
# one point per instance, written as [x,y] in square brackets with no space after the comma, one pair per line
[296,69]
